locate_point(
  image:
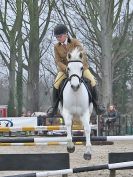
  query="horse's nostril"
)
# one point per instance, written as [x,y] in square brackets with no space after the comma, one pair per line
[75,88]
[72,86]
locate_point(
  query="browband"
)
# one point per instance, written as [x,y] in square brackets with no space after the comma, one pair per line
[74,61]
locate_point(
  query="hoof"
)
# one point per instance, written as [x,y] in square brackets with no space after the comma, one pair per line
[87,156]
[71,150]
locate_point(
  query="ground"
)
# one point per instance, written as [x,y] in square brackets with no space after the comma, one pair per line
[99,156]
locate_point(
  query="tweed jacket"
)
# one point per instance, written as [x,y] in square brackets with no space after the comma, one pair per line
[61,54]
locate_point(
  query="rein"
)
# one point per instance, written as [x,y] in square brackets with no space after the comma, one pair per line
[75,75]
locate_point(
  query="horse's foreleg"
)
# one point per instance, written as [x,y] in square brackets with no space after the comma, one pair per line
[68,124]
[87,130]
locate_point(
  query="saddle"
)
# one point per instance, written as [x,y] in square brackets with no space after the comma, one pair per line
[86,83]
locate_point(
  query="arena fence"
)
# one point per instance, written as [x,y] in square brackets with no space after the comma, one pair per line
[59,164]
[78,170]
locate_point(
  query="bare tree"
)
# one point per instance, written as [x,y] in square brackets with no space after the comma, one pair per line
[11,30]
[35,39]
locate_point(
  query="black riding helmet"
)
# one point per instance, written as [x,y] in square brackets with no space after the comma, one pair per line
[60,29]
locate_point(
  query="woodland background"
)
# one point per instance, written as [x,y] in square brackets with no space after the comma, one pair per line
[27,67]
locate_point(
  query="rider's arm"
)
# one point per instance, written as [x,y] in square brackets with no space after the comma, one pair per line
[58,59]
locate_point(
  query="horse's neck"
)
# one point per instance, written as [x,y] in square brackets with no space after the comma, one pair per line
[80,95]
[76,102]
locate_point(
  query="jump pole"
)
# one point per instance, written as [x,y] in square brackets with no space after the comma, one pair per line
[34,144]
[39,144]
[41,128]
[64,139]
[78,170]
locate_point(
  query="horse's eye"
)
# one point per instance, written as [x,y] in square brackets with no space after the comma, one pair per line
[81,68]
[68,69]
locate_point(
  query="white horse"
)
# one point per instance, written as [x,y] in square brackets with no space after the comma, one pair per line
[76,101]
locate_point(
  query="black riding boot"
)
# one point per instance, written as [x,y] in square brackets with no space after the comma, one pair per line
[98,108]
[55,102]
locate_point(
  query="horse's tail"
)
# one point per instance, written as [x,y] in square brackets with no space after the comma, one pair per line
[91,108]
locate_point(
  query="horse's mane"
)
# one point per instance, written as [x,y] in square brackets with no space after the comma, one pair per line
[75,54]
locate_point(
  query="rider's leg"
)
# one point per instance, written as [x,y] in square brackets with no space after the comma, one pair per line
[55,98]
[87,74]
[99,108]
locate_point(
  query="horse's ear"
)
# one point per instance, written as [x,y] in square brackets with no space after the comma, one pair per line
[81,55]
[68,56]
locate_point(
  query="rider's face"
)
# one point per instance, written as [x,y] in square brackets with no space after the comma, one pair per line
[111,108]
[61,38]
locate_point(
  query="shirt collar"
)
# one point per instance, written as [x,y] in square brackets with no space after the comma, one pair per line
[68,40]
[65,42]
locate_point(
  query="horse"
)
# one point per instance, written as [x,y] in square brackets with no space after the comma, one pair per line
[76,101]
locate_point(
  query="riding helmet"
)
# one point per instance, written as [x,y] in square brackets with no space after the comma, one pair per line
[60,29]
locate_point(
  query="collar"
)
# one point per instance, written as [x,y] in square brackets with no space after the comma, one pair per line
[68,40]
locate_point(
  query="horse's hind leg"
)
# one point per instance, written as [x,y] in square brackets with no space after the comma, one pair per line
[68,124]
[87,130]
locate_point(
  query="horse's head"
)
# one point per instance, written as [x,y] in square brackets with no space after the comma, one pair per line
[75,68]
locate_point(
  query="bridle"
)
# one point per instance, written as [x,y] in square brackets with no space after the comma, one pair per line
[75,75]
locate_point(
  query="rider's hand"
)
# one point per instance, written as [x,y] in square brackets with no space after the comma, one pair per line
[66,70]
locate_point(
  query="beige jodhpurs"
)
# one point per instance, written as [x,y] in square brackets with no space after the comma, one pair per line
[87,74]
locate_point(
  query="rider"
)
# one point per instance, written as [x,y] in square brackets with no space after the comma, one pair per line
[112,113]
[66,44]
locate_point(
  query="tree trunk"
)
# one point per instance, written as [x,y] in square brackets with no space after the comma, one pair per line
[33,72]
[19,78]
[11,102]
[106,47]
[19,58]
